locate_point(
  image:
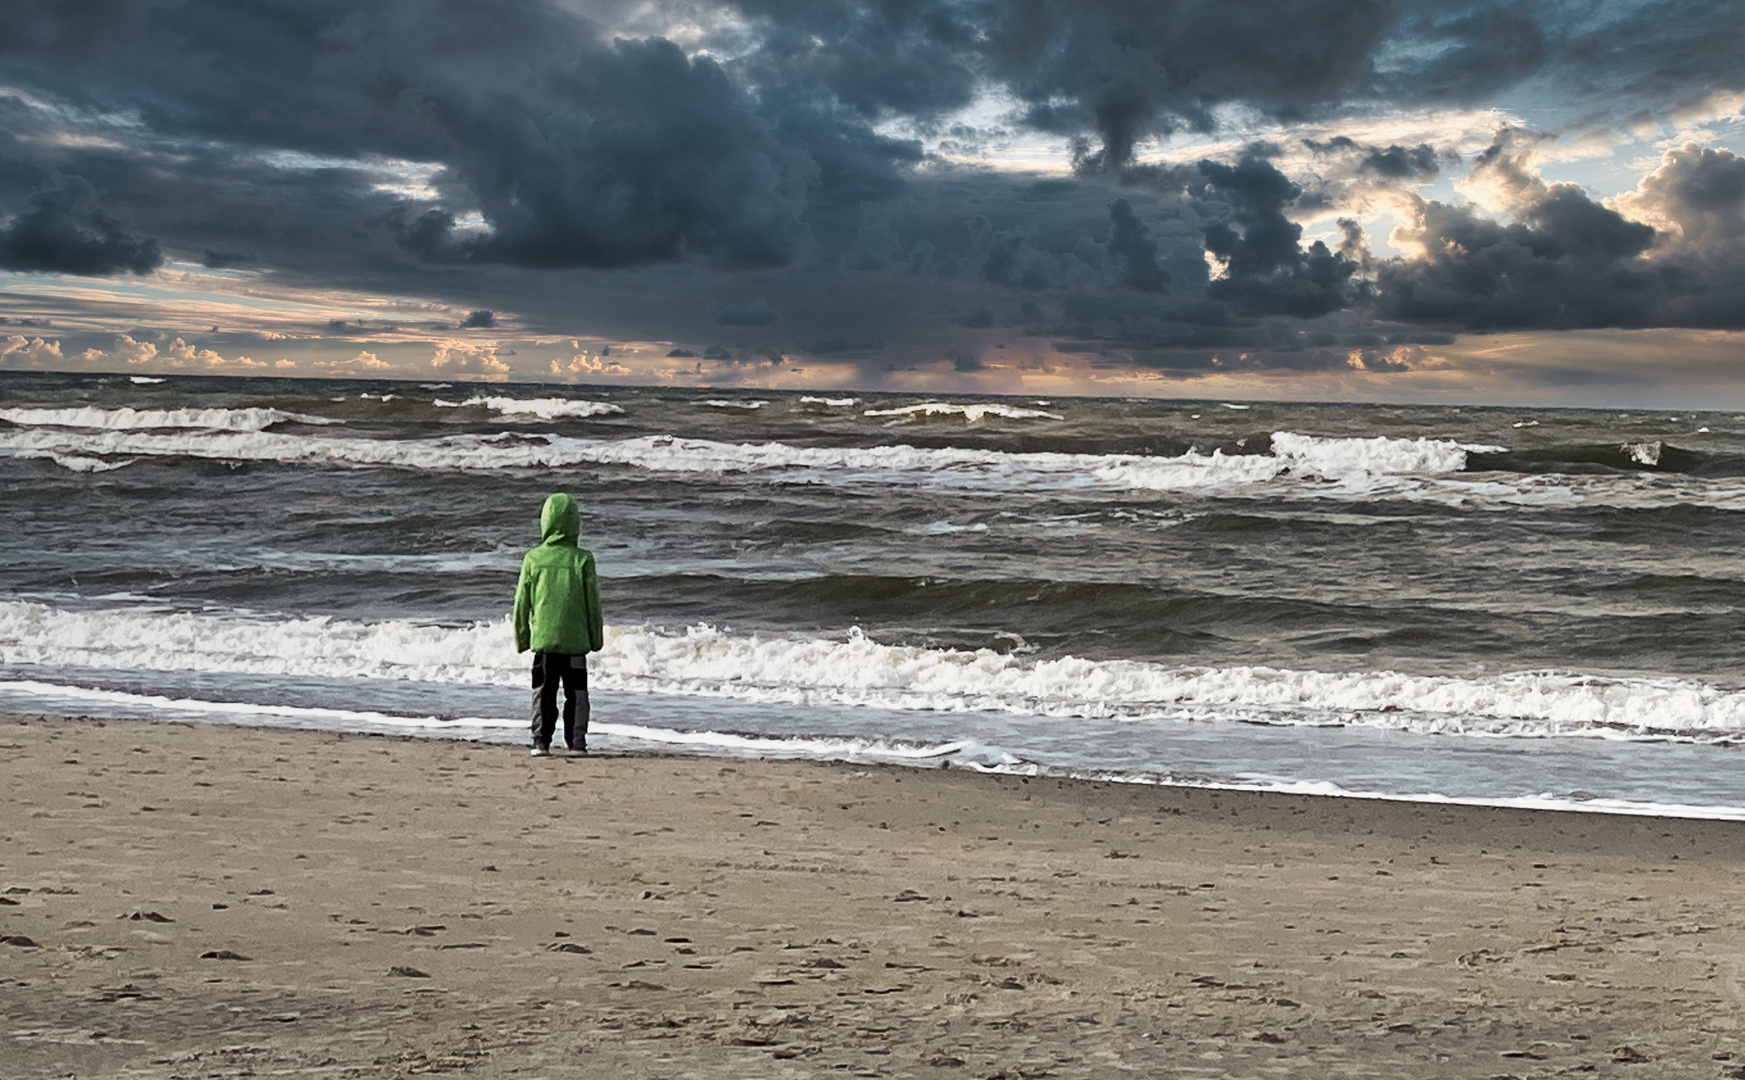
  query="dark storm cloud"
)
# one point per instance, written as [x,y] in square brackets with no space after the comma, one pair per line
[479,319]
[1605,57]
[62,228]
[1392,162]
[916,58]
[1127,69]
[638,154]
[1699,194]
[1267,270]
[1134,249]
[218,259]
[1565,262]
[753,313]
[593,174]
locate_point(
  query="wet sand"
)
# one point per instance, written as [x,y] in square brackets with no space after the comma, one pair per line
[202,901]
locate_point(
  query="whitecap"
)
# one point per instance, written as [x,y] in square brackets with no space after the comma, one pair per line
[540,408]
[973,414]
[125,419]
[856,670]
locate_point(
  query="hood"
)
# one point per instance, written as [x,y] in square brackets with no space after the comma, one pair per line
[561,520]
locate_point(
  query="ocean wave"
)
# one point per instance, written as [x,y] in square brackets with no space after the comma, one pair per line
[721,403]
[31,695]
[143,380]
[1294,457]
[130,419]
[973,414]
[78,463]
[831,403]
[855,670]
[538,408]
[1651,456]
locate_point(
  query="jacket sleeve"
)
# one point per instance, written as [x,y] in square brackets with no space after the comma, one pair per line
[524,609]
[596,619]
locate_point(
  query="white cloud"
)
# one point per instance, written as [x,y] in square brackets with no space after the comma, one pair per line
[583,364]
[18,351]
[182,354]
[1694,200]
[466,358]
[134,352]
[363,361]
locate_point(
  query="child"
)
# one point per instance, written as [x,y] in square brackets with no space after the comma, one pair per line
[557,615]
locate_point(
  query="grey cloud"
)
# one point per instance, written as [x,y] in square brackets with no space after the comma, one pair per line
[1399,163]
[1268,272]
[752,313]
[1565,261]
[1127,69]
[625,184]
[642,154]
[479,319]
[1134,249]
[64,229]
[1698,195]
[218,258]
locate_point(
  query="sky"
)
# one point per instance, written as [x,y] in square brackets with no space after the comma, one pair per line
[1394,200]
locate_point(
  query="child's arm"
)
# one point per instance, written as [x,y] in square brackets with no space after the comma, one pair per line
[524,610]
[596,619]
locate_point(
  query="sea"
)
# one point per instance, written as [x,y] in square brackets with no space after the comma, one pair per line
[1514,606]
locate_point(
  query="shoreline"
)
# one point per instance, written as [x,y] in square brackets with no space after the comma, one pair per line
[411,905]
[729,744]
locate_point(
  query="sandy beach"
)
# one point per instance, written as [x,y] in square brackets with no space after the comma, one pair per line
[203,901]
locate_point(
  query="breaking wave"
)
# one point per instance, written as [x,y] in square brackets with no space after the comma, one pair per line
[538,408]
[130,419]
[1298,457]
[973,414]
[855,670]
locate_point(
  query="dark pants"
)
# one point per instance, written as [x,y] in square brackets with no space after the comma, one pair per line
[551,670]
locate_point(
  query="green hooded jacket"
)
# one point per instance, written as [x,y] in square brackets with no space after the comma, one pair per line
[557,600]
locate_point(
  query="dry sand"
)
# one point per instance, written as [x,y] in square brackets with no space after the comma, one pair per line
[194,901]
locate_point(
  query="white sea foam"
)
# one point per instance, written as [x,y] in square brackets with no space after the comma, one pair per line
[973,414]
[76,463]
[129,419]
[32,695]
[1354,468]
[539,408]
[834,403]
[143,380]
[718,742]
[1328,789]
[1645,453]
[857,671]
[720,403]
[1236,408]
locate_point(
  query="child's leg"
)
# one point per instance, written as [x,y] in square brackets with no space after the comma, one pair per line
[545,683]
[576,708]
